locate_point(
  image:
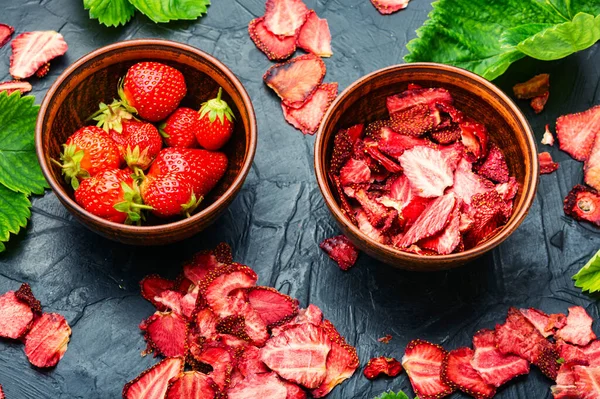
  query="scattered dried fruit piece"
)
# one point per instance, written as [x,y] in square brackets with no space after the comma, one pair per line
[433,220]
[446,241]
[394,144]
[277,48]
[307,118]
[583,203]
[414,121]
[222,359]
[273,307]
[15,316]
[192,385]
[341,250]
[153,383]
[6,32]
[389,6]
[314,36]
[548,138]
[547,165]
[475,138]
[15,85]
[423,364]
[265,385]
[446,135]
[385,339]
[534,87]
[297,79]
[2,393]
[538,103]
[25,295]
[43,71]
[153,286]
[285,17]
[46,342]
[458,373]
[538,319]
[591,168]
[494,166]
[249,362]
[578,329]
[382,365]
[31,50]
[427,170]
[165,334]
[222,282]
[576,132]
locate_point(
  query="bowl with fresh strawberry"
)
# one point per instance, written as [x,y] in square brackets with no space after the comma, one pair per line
[426,166]
[146,141]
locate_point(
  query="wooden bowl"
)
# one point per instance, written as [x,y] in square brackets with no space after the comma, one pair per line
[94,78]
[364,101]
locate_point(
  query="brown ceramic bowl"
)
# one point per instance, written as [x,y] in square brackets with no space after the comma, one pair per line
[93,79]
[364,101]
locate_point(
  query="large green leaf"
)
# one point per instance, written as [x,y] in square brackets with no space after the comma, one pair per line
[14,212]
[167,10]
[110,12]
[19,167]
[486,36]
[588,278]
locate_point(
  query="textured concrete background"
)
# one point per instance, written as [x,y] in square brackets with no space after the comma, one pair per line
[279,218]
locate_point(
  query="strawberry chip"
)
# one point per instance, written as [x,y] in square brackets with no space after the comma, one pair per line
[272,306]
[153,286]
[165,334]
[15,85]
[285,17]
[547,165]
[576,132]
[534,87]
[494,166]
[191,384]
[538,103]
[6,32]
[277,48]
[15,316]
[308,117]
[433,220]
[548,138]
[382,366]
[220,283]
[265,385]
[427,170]
[389,6]
[222,360]
[46,342]
[578,330]
[2,393]
[591,168]
[154,382]
[296,80]
[446,241]
[314,36]
[414,121]
[458,373]
[31,50]
[423,363]
[341,250]
[583,203]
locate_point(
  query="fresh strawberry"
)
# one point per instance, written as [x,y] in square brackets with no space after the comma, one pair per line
[547,165]
[152,90]
[152,286]
[170,194]
[87,152]
[15,85]
[314,36]
[277,48]
[458,373]
[382,365]
[578,330]
[154,382]
[341,250]
[191,384]
[308,117]
[583,203]
[112,195]
[534,87]
[177,129]
[31,50]
[138,142]
[6,32]
[427,170]
[538,103]
[576,132]
[285,17]
[414,121]
[494,166]
[548,138]
[273,307]
[222,360]
[15,316]
[46,342]
[389,6]
[165,334]
[265,385]
[214,127]
[423,364]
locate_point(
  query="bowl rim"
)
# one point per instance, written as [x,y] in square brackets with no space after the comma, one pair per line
[206,212]
[517,217]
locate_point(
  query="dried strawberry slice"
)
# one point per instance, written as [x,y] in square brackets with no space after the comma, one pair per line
[285,17]
[191,384]
[495,368]
[170,300]
[534,87]
[189,302]
[299,354]
[538,319]
[539,103]
[31,50]
[165,333]
[377,214]
[427,170]
[273,307]
[219,283]
[494,166]
[446,241]
[25,295]
[371,148]
[345,205]
[394,144]
[6,32]
[400,193]
[556,322]
[490,211]
[265,385]
[309,115]
[277,48]
[458,373]
[294,391]
[296,80]
[341,250]
[382,366]
[547,165]
[15,316]
[467,184]
[592,351]
[233,325]
[571,353]
[373,129]
[207,262]
[576,132]
[250,363]
[43,71]
[433,220]
[591,169]
[2,393]
[414,121]
[583,203]
[153,286]
[578,329]
[311,315]
[548,138]
[153,383]
[46,342]
[251,327]
[342,151]
[314,36]
[15,85]
[222,360]
[390,6]
[410,98]
[587,382]
[447,135]
[475,138]
[423,363]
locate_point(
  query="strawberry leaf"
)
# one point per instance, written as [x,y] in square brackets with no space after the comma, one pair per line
[110,12]
[546,30]
[19,167]
[14,212]
[168,10]
[392,395]
[588,278]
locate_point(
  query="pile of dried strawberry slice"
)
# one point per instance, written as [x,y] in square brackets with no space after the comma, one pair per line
[563,347]
[428,180]
[223,336]
[45,335]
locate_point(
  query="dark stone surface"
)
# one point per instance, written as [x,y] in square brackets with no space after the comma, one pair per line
[279,218]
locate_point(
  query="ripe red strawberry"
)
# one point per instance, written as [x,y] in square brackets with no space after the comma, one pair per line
[170,194]
[112,195]
[153,90]
[177,129]
[214,127]
[88,151]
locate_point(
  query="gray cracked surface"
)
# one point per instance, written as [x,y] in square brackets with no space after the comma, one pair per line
[279,218]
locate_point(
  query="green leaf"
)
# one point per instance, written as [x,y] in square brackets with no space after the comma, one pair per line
[14,212]
[392,395]
[110,12]
[487,36]
[168,10]
[588,278]
[19,167]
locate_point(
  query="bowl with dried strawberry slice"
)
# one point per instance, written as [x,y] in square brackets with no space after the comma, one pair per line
[426,166]
[147,141]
